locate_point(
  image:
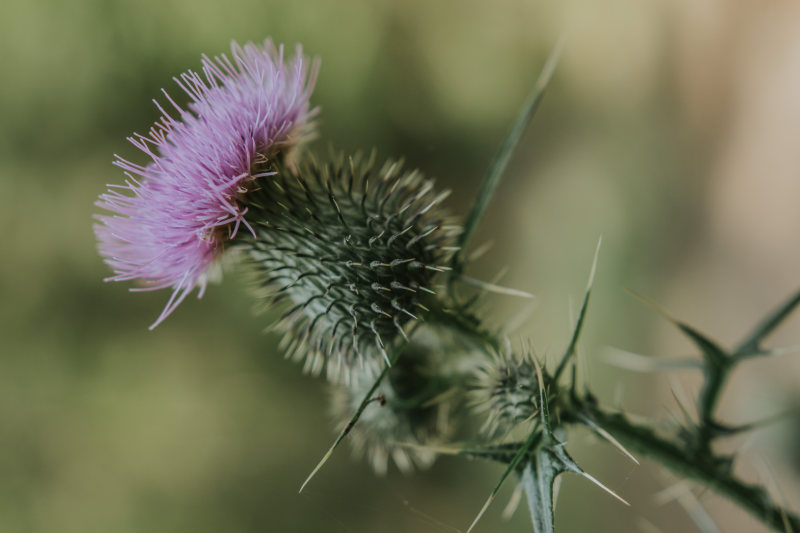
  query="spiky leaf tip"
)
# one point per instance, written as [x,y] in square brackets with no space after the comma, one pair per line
[409,416]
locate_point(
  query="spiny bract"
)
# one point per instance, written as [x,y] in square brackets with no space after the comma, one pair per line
[354,249]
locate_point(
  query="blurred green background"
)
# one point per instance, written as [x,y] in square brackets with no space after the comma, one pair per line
[671,128]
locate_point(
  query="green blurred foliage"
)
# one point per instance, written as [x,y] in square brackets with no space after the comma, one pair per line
[200,425]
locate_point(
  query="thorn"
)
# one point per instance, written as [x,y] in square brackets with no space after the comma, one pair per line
[379,342]
[398,285]
[543,410]
[653,305]
[323,460]
[400,328]
[696,512]
[378,287]
[377,309]
[491,287]
[672,493]
[606,435]
[438,268]
[682,399]
[375,238]
[513,503]
[398,235]
[403,310]
[351,423]
[480,251]
[642,363]
[775,352]
[593,271]
[481,513]
[609,491]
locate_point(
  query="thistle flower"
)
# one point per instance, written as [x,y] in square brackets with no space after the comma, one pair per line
[410,412]
[354,249]
[506,389]
[172,217]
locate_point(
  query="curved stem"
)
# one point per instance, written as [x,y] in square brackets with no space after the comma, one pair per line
[716,474]
[698,464]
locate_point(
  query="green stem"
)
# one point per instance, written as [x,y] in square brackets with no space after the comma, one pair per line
[541,515]
[694,460]
[716,474]
[696,463]
[715,377]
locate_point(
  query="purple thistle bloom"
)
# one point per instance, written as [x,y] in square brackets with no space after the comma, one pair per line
[173,216]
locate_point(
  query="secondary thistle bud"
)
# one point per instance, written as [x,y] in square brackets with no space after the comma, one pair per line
[409,411]
[507,391]
[353,250]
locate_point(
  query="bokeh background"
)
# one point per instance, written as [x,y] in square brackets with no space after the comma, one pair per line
[671,128]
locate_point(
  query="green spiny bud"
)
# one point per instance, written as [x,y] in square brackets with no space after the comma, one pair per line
[507,391]
[409,414]
[353,250]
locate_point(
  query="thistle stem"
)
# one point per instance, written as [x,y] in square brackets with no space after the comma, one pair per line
[715,377]
[695,461]
[717,475]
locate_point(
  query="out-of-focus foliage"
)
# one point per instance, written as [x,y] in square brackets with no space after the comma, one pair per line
[670,128]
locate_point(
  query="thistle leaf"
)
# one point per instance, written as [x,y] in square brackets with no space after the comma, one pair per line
[570,351]
[351,423]
[498,166]
[750,346]
[503,453]
[534,436]
[711,350]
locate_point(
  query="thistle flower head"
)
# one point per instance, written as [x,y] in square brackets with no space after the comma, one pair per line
[407,416]
[172,217]
[353,249]
[506,390]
